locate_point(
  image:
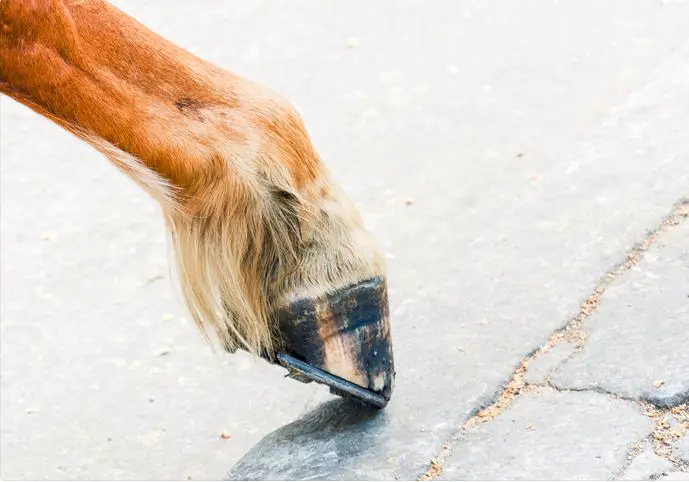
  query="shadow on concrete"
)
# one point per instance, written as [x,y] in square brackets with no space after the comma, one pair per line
[323,444]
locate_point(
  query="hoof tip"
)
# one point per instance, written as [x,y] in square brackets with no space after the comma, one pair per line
[342,340]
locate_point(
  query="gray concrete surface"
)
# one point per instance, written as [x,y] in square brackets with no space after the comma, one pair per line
[637,339]
[682,447]
[647,465]
[676,476]
[551,436]
[537,142]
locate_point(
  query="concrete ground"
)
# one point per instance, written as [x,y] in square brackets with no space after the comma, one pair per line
[523,164]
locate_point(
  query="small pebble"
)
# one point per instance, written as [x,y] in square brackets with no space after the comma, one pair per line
[659,383]
[408,202]
[225,436]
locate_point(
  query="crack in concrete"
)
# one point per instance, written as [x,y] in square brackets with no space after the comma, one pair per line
[573,332]
[631,455]
[595,389]
[666,432]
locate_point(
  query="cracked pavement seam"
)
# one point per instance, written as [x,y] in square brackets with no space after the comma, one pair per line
[666,434]
[663,435]
[661,440]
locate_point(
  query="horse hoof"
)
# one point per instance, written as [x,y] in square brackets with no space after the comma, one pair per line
[342,340]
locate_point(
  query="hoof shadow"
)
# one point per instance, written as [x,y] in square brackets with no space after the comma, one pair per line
[323,444]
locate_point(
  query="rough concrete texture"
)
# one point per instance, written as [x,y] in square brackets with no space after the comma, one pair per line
[676,476]
[550,436]
[539,368]
[637,339]
[646,466]
[682,448]
[505,154]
